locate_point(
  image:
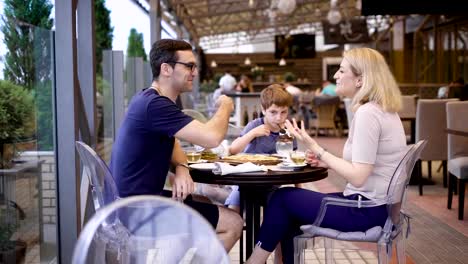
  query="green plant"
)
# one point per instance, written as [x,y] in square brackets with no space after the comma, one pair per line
[9,222]
[16,115]
[289,77]
[25,49]
[104,31]
[208,86]
[216,77]
[135,46]
[44,116]
[257,72]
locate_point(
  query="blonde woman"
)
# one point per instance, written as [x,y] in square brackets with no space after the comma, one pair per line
[372,152]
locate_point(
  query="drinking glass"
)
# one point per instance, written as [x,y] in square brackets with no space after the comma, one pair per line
[283,148]
[193,155]
[297,157]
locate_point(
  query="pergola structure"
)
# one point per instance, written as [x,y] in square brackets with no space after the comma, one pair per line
[210,22]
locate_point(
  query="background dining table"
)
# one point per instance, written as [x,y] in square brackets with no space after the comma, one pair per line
[253,187]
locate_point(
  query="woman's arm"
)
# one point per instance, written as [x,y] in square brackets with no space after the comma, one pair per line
[354,172]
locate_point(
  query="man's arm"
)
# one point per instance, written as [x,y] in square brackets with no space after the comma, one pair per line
[183,183]
[211,133]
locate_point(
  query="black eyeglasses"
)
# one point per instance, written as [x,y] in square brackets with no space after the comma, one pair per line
[191,66]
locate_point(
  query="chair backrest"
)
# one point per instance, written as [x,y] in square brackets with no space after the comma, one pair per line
[152,229]
[397,188]
[430,120]
[196,115]
[457,113]
[325,108]
[103,187]
[408,108]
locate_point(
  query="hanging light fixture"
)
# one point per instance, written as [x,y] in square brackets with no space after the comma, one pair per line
[213,64]
[334,15]
[247,61]
[286,7]
[282,62]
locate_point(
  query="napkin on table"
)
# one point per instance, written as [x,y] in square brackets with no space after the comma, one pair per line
[222,168]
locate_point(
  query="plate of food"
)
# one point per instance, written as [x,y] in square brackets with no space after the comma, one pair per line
[209,155]
[259,159]
[198,161]
[203,166]
[291,165]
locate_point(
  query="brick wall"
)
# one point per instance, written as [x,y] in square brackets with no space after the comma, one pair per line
[47,193]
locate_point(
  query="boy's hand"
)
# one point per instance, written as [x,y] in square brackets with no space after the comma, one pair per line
[261,131]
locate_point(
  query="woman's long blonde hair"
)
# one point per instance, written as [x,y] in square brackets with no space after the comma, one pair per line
[378,84]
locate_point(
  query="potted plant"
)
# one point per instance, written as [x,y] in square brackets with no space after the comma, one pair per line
[11,251]
[16,118]
[257,72]
[289,77]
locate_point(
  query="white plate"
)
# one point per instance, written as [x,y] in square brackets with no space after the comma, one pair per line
[286,165]
[203,166]
[199,161]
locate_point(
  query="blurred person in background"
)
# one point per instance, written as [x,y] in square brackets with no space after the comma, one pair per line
[328,88]
[245,85]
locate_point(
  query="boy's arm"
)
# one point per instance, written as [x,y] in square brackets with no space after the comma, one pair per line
[241,142]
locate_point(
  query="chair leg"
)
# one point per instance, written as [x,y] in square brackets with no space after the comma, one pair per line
[300,245]
[419,164]
[429,169]
[444,172]
[455,184]
[400,249]
[328,250]
[383,254]
[451,180]
[461,198]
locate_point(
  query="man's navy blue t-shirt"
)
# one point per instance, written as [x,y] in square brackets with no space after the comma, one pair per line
[142,153]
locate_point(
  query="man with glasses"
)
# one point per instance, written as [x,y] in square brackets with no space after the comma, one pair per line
[146,143]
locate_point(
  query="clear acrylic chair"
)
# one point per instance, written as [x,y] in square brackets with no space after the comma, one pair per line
[195,115]
[385,237]
[103,187]
[151,229]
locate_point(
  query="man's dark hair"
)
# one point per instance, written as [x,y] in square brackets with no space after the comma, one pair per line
[164,51]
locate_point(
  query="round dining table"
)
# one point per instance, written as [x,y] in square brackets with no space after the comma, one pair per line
[253,187]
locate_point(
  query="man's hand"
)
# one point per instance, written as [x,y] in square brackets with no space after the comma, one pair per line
[225,101]
[183,184]
[260,131]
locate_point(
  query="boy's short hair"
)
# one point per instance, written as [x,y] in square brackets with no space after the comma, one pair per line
[275,94]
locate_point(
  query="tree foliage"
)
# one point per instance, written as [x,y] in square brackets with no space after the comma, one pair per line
[24,60]
[135,46]
[16,116]
[104,31]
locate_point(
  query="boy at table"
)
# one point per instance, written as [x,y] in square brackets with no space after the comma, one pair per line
[260,135]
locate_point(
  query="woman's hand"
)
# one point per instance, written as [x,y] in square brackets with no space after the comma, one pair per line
[312,160]
[301,134]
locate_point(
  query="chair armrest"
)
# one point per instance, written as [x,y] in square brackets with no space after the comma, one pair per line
[345,203]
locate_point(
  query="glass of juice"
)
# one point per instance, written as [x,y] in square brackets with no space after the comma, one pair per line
[193,155]
[297,157]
